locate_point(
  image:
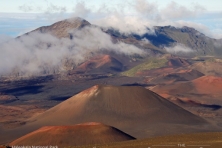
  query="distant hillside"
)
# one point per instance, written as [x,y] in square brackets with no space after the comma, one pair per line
[211,66]
[152,63]
[165,36]
[152,66]
[169,36]
[100,64]
[154,46]
[201,44]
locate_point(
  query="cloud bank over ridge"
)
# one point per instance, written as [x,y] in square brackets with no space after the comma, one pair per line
[37,53]
[27,56]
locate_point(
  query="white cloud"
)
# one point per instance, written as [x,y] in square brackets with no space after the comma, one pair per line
[125,24]
[175,11]
[28,56]
[145,14]
[80,10]
[144,7]
[179,48]
[4,38]
[218,43]
[26,8]
[37,53]
[54,13]
[18,16]
[215,33]
[145,41]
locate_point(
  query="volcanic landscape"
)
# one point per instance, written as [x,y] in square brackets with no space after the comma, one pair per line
[127,92]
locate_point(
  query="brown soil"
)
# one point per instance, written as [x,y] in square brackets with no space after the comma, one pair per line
[208,85]
[123,107]
[104,63]
[15,116]
[177,62]
[180,75]
[81,134]
[208,68]
[7,98]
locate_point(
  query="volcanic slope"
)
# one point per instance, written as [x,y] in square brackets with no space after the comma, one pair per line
[76,135]
[102,64]
[209,67]
[132,109]
[181,75]
[205,85]
[157,66]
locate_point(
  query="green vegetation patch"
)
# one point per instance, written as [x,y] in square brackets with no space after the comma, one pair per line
[152,63]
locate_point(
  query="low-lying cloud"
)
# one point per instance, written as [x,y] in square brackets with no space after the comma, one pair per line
[4,38]
[179,48]
[145,14]
[218,43]
[43,53]
[38,53]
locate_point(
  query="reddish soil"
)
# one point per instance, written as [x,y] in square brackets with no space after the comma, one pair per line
[7,98]
[102,62]
[15,116]
[122,107]
[169,78]
[205,85]
[80,134]
[177,62]
[208,85]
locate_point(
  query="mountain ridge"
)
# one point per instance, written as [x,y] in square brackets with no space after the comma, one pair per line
[185,42]
[164,36]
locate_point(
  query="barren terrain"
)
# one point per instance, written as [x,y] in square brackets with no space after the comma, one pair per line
[81,134]
[151,94]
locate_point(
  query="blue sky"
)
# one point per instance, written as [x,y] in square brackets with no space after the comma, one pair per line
[18,17]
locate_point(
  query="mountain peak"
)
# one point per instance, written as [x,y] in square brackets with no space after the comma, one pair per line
[123,101]
[75,19]
[63,28]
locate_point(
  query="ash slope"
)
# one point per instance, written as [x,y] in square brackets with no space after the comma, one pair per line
[205,85]
[134,110]
[100,64]
[76,135]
